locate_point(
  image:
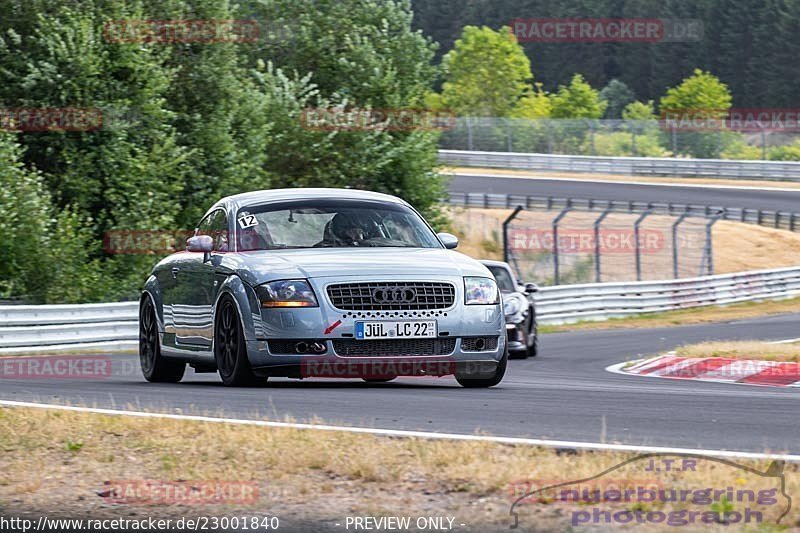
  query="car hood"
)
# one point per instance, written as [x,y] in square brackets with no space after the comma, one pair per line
[261,266]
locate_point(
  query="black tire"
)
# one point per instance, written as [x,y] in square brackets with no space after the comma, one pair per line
[379,380]
[533,347]
[230,349]
[484,383]
[155,368]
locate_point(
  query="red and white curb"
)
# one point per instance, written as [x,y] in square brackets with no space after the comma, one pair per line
[715,369]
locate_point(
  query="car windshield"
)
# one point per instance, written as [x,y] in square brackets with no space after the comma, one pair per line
[331,224]
[504,280]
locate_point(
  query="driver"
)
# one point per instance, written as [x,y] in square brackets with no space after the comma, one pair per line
[347,229]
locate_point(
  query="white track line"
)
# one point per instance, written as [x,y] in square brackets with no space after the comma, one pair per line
[622,181]
[787,341]
[413,434]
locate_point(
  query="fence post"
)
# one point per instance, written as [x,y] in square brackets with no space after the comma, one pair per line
[708,251]
[556,271]
[470,145]
[506,222]
[674,142]
[597,223]
[636,242]
[675,242]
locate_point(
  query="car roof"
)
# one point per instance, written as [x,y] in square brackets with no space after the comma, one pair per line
[489,262]
[237,201]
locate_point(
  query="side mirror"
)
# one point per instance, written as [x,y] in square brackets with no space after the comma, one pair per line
[200,243]
[449,240]
[531,288]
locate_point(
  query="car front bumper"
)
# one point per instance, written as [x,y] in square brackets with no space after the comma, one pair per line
[456,350]
[516,336]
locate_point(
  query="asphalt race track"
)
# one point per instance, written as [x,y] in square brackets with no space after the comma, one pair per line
[765,199]
[563,394]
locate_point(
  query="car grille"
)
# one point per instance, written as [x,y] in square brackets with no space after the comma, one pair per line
[479,344]
[402,347]
[378,296]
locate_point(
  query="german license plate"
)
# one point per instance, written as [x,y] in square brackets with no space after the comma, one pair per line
[396,329]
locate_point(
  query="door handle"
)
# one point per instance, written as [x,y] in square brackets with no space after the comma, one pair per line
[175,271]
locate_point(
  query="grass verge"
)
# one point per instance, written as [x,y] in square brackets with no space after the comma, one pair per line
[60,460]
[749,350]
[700,315]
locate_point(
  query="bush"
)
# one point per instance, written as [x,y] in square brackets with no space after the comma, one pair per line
[620,143]
[739,149]
[45,252]
[785,153]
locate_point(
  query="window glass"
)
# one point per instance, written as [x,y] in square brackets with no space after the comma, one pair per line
[504,280]
[332,224]
[215,225]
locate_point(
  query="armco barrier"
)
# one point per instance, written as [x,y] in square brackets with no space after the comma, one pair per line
[109,327]
[42,329]
[770,219]
[634,166]
[602,301]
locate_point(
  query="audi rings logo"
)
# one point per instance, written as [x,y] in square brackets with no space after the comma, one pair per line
[394,295]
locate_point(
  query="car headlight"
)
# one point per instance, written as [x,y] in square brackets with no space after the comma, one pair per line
[511,306]
[480,291]
[287,293]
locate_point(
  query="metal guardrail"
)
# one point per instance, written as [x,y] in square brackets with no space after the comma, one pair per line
[772,219]
[109,327]
[43,329]
[634,166]
[602,301]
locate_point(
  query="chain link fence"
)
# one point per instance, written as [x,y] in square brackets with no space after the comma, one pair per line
[626,138]
[567,246]
[567,241]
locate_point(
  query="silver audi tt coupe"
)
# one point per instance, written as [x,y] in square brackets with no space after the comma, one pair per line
[320,283]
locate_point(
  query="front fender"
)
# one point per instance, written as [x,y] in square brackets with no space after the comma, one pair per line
[152,290]
[245,298]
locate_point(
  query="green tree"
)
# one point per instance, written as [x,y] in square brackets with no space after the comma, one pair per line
[577,100]
[701,99]
[701,94]
[534,104]
[485,74]
[45,251]
[639,111]
[346,54]
[617,95]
